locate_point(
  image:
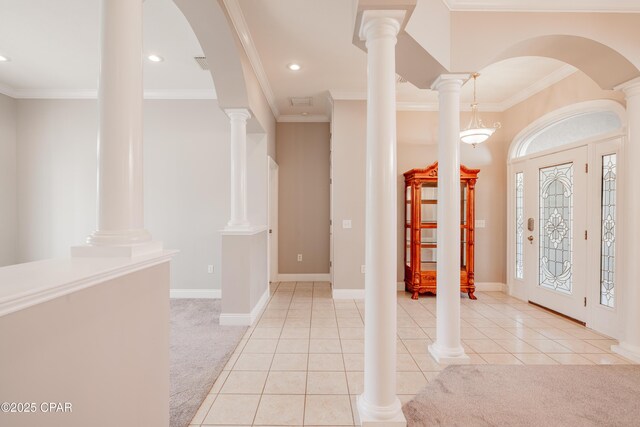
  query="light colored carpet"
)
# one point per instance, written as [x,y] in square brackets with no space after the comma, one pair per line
[485,395]
[200,348]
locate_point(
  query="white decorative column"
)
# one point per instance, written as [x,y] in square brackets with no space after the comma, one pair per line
[238,117]
[120,230]
[378,404]
[629,296]
[447,348]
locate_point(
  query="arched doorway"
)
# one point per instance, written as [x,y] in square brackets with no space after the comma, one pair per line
[563,209]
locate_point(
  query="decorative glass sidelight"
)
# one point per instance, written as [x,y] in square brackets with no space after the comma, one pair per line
[608,225]
[556,226]
[519,225]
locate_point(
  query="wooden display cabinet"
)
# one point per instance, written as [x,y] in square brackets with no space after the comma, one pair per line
[421,222]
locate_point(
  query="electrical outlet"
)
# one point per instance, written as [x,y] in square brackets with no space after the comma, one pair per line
[299,257]
[210,269]
[362,269]
[480,223]
[346,223]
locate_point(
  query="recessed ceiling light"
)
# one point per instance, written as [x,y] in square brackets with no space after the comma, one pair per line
[155,58]
[294,67]
[4,58]
[305,113]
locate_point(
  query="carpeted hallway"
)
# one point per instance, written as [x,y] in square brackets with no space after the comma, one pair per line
[200,348]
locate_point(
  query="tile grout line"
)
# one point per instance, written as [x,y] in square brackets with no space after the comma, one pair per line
[273,357]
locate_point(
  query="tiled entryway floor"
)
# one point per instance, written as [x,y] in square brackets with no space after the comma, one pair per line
[302,363]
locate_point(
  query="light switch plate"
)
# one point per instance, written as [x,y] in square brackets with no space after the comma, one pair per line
[346,223]
[362,269]
[480,223]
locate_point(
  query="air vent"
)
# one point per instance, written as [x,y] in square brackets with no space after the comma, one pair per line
[202,62]
[301,102]
[400,79]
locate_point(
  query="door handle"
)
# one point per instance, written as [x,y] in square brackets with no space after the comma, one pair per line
[530,238]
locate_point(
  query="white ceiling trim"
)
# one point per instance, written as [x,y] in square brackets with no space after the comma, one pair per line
[93,94]
[242,29]
[347,96]
[294,118]
[616,6]
[433,106]
[6,90]
[551,79]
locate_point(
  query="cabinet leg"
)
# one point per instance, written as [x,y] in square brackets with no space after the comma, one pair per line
[415,295]
[472,296]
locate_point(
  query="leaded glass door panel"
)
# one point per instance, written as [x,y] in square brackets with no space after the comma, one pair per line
[555,249]
[604,179]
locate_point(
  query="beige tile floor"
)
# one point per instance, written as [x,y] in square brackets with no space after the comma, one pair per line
[302,363]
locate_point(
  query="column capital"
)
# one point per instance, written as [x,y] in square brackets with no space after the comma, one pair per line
[380,23]
[450,81]
[238,113]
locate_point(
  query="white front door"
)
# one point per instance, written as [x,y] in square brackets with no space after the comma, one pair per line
[555,226]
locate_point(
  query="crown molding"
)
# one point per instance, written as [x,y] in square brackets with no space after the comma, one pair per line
[8,91]
[542,84]
[181,94]
[93,94]
[551,79]
[242,29]
[295,118]
[433,106]
[592,6]
[347,96]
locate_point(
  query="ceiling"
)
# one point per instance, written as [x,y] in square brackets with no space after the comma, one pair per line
[54,50]
[318,36]
[53,46]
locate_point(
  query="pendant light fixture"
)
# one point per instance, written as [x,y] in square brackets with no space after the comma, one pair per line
[476,132]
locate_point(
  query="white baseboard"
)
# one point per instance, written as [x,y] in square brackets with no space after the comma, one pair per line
[348,294]
[195,293]
[318,277]
[516,291]
[245,319]
[490,287]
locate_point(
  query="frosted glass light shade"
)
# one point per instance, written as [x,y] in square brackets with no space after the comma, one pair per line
[476,135]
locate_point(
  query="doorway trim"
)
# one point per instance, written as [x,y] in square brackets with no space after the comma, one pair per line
[516,162]
[272,220]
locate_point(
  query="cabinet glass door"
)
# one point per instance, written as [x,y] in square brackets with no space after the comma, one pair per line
[407,230]
[429,208]
[428,249]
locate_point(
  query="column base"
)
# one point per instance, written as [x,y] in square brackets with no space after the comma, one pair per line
[631,352]
[379,416]
[448,356]
[121,251]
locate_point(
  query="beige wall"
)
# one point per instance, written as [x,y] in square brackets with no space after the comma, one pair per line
[244,274]
[104,349]
[186,154]
[348,142]
[8,182]
[573,89]
[303,193]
